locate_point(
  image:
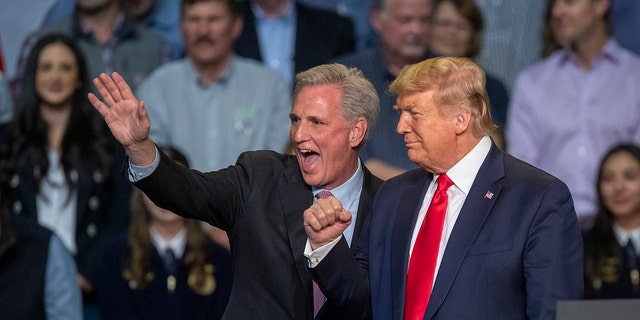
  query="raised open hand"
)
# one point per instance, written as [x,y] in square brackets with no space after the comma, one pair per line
[126,117]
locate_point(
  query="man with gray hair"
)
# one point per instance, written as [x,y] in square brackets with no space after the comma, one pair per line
[260,200]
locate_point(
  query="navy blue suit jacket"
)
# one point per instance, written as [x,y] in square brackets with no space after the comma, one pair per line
[510,255]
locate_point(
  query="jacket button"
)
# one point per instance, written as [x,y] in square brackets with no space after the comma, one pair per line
[94,203]
[17,207]
[92,230]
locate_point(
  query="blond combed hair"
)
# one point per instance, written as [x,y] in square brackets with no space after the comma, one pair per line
[458,83]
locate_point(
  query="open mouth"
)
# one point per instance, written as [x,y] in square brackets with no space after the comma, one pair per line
[308,158]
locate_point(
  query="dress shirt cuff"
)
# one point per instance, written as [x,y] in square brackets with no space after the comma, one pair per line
[315,257]
[137,173]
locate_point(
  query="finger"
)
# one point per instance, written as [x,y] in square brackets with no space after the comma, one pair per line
[123,88]
[331,203]
[114,91]
[331,207]
[344,216]
[142,111]
[312,222]
[101,107]
[102,89]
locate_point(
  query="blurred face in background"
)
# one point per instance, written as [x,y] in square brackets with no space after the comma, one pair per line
[56,75]
[620,186]
[208,31]
[452,32]
[573,21]
[404,27]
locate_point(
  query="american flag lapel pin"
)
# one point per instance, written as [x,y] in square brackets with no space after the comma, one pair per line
[488,195]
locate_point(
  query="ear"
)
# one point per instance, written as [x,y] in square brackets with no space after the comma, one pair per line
[375,18]
[462,122]
[602,6]
[238,24]
[356,134]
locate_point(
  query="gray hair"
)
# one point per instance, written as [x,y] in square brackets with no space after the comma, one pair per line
[359,97]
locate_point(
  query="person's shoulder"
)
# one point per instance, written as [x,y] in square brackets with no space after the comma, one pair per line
[164,76]
[254,69]
[64,25]
[520,172]
[323,16]
[269,161]
[357,58]
[267,156]
[630,58]
[168,70]
[541,72]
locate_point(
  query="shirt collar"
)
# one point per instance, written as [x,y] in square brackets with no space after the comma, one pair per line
[287,14]
[623,236]
[344,192]
[464,172]
[610,52]
[177,244]
[194,77]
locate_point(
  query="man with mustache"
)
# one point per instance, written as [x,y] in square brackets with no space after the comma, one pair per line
[212,104]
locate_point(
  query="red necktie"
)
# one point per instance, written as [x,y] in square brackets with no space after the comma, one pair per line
[422,263]
[318,296]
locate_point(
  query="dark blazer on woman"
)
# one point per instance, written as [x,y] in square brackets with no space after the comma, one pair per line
[102,207]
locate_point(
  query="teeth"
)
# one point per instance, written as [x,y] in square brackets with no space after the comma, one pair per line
[305,151]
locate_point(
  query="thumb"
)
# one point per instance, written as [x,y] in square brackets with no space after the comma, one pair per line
[344,216]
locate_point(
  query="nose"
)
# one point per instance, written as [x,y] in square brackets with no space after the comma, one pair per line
[298,132]
[203,28]
[557,8]
[618,184]
[403,127]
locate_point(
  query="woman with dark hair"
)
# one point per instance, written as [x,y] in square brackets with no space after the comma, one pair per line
[66,165]
[166,268]
[612,245]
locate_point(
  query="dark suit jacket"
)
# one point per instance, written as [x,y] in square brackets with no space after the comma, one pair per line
[259,202]
[320,36]
[511,255]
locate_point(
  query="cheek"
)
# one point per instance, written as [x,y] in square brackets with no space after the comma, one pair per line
[607,191]
[71,80]
[635,189]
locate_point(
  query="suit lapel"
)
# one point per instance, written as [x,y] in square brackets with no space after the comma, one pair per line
[472,216]
[295,197]
[406,217]
[370,185]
